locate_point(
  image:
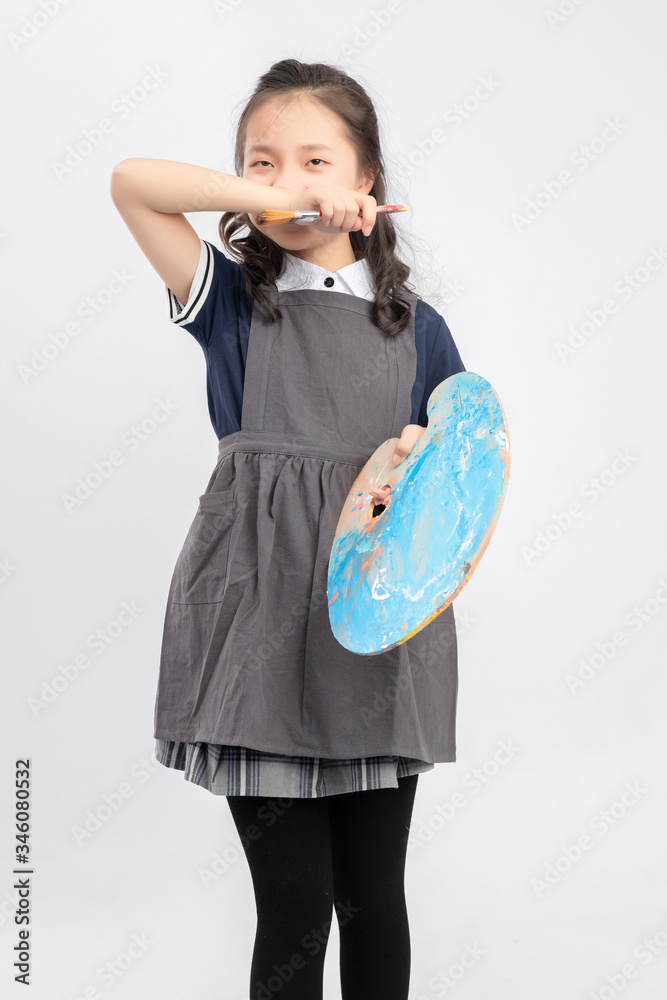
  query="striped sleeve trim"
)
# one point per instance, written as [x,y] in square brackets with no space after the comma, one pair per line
[181,314]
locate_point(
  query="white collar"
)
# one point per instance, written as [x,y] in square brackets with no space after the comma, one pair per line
[355,278]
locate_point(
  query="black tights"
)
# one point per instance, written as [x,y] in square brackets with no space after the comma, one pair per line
[307,854]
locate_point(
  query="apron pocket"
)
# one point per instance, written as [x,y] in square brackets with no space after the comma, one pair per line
[200,573]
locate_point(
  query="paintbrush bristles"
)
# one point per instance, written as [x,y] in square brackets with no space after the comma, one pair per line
[272,215]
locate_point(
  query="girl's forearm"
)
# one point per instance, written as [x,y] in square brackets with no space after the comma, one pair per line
[169,186]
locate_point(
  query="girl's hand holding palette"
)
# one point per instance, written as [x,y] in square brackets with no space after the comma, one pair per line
[410,536]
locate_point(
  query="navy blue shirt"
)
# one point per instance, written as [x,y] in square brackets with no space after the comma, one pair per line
[218,314]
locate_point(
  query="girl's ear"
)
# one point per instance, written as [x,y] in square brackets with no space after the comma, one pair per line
[367,183]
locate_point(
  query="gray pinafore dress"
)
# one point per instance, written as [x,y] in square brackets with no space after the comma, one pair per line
[251,674]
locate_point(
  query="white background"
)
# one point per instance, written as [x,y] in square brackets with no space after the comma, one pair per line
[488,870]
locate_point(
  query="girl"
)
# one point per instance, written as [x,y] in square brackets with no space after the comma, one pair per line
[316,353]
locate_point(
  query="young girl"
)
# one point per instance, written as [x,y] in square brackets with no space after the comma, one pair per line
[316,353]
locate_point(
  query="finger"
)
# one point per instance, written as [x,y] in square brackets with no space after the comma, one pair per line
[370,214]
[386,488]
[327,209]
[381,497]
[339,212]
[352,221]
[411,433]
[400,451]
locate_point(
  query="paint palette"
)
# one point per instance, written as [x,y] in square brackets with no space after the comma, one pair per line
[391,573]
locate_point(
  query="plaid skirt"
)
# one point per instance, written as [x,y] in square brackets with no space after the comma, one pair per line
[230,770]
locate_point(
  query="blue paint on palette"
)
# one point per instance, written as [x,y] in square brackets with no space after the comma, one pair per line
[391,574]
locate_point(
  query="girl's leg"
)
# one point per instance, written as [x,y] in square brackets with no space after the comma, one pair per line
[369,834]
[288,848]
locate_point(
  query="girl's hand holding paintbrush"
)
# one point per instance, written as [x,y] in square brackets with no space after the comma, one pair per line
[341,210]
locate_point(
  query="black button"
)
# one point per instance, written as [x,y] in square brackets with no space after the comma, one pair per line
[328,282]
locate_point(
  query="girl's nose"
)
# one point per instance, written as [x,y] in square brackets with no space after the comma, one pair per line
[288,181]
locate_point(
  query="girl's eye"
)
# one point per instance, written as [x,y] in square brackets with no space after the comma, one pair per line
[259,163]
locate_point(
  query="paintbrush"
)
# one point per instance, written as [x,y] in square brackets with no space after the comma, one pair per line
[271,215]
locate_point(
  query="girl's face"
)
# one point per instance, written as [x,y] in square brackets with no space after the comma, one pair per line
[280,130]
